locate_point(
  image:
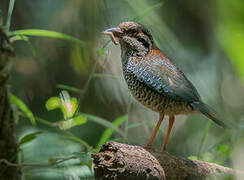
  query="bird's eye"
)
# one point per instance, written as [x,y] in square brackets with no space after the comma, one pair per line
[134,31]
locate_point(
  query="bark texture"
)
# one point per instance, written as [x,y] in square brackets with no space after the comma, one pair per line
[122,161]
[8,146]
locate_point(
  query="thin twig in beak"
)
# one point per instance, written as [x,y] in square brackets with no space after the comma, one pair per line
[112,37]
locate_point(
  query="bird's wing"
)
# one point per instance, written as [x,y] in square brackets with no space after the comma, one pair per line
[160,74]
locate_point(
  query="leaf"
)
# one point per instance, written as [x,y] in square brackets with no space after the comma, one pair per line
[104,123]
[69,105]
[147,11]
[76,121]
[18,38]
[133,125]
[204,137]
[69,88]
[24,38]
[53,103]
[21,105]
[29,137]
[45,33]
[109,131]
[10,11]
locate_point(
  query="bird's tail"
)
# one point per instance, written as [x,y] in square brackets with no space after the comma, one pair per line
[208,112]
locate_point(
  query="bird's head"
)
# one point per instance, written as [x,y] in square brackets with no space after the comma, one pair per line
[132,37]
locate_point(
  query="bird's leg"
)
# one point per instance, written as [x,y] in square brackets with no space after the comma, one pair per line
[171,122]
[161,117]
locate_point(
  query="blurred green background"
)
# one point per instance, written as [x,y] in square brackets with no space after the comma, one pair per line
[204,38]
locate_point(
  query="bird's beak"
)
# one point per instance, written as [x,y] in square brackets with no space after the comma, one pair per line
[114,32]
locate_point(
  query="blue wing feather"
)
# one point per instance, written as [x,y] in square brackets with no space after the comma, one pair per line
[164,77]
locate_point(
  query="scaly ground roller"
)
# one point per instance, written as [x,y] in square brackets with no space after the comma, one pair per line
[153,79]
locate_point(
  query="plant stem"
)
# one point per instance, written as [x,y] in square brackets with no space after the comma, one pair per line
[10,11]
[205,134]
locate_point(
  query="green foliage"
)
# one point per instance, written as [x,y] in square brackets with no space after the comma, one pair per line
[45,33]
[102,50]
[26,39]
[68,107]
[69,88]
[76,121]
[204,137]
[147,11]
[21,105]
[231,31]
[104,123]
[10,11]
[29,137]
[224,150]
[230,34]
[53,103]
[109,131]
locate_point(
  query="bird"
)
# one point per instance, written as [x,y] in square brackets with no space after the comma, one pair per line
[154,79]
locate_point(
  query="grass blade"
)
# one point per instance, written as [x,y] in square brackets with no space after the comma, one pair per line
[46,33]
[23,107]
[29,137]
[104,123]
[109,131]
[147,11]
[205,134]
[10,11]
[69,88]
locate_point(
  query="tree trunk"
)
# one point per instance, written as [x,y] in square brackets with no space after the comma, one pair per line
[8,146]
[122,161]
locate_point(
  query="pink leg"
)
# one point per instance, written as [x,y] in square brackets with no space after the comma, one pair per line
[161,117]
[171,122]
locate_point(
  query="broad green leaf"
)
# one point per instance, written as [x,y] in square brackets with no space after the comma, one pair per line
[104,123]
[45,33]
[29,137]
[21,105]
[53,103]
[109,131]
[76,121]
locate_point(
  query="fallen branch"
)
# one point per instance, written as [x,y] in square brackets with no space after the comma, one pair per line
[123,161]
